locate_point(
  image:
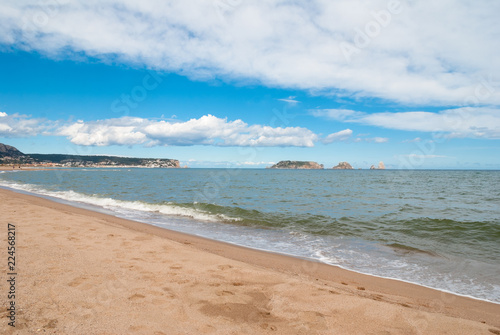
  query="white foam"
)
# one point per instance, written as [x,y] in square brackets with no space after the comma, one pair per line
[120,205]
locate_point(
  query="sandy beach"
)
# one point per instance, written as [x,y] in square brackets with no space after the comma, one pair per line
[83,272]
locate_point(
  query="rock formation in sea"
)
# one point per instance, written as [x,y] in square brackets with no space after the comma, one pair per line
[381,166]
[297,165]
[343,166]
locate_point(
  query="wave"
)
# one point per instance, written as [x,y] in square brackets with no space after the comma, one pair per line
[305,222]
[165,208]
[385,229]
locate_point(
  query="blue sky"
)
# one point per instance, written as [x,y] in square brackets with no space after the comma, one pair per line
[247,84]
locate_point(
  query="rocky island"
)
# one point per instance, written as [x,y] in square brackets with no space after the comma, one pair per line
[343,166]
[297,165]
[10,156]
[381,166]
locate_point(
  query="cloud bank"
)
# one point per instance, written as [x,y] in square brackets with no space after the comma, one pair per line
[412,52]
[478,122]
[207,130]
[130,131]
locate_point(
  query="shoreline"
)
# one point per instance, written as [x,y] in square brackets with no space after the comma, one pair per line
[370,289]
[96,208]
[213,249]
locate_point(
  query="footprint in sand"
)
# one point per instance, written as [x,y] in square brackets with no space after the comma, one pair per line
[142,238]
[136,297]
[377,297]
[77,281]
[168,292]
[138,259]
[51,324]
[60,228]
[224,267]
[223,293]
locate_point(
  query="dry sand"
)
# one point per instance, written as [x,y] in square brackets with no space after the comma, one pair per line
[82,272]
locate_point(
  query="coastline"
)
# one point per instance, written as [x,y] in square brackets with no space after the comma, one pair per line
[241,289]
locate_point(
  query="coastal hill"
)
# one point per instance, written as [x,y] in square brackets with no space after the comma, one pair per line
[297,165]
[10,155]
[7,151]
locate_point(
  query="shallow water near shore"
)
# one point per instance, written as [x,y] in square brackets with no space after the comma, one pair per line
[439,229]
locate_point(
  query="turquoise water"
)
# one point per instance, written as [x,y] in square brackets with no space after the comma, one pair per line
[435,228]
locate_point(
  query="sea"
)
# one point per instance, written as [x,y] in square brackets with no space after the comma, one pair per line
[435,228]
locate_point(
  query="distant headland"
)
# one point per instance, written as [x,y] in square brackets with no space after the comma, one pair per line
[9,155]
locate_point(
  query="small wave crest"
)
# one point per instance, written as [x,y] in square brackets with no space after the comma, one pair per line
[115,205]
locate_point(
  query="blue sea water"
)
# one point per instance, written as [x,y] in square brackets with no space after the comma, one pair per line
[439,229]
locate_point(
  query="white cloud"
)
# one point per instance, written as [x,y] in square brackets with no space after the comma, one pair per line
[130,131]
[207,130]
[415,140]
[336,114]
[361,138]
[342,135]
[478,122]
[414,57]
[254,163]
[290,101]
[346,134]
[378,139]
[5,129]
[18,125]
